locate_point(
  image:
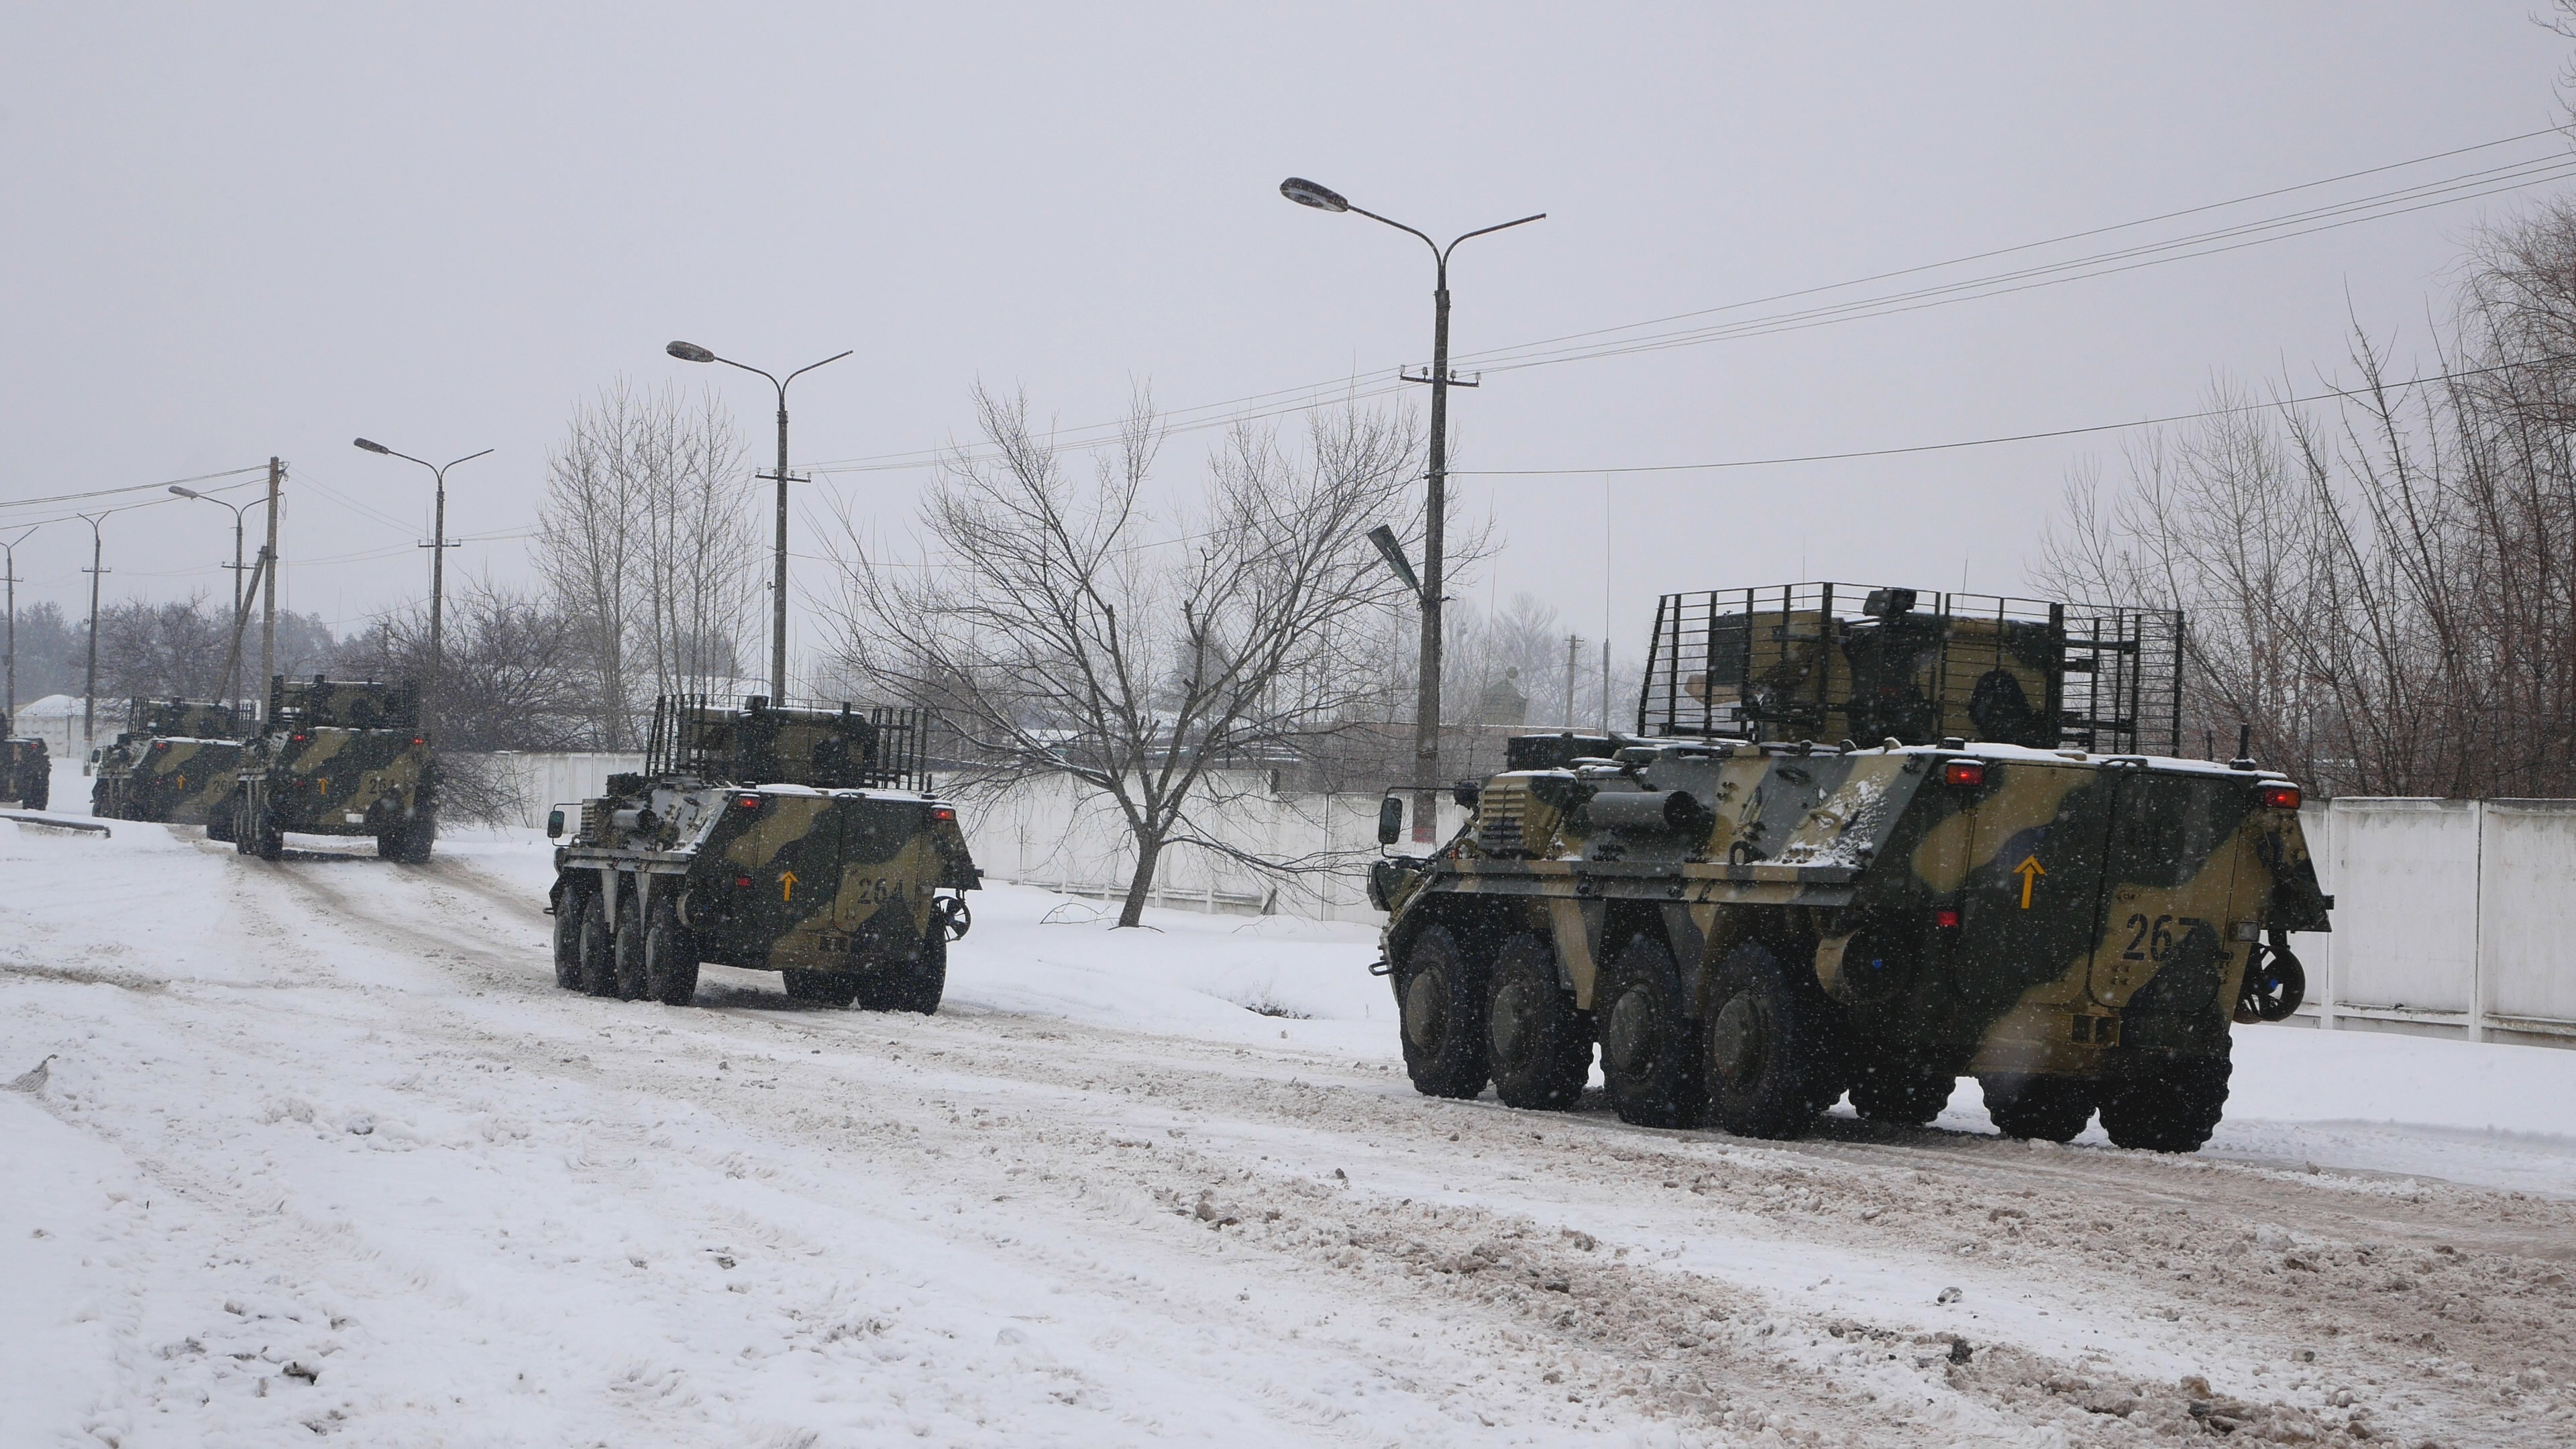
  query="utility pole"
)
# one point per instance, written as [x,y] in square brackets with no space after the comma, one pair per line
[9,725]
[89,689]
[1573,665]
[268,602]
[438,547]
[1426,709]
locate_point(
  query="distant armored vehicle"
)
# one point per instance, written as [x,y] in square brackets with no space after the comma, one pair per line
[175,762]
[26,773]
[1983,876]
[792,839]
[335,757]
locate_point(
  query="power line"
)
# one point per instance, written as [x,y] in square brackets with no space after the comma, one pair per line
[134,488]
[2378,206]
[2327,396]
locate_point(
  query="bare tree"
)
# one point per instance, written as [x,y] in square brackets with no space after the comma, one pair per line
[1066,631]
[646,540]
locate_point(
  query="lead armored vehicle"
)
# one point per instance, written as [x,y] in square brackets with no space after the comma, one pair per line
[175,762]
[1863,841]
[801,840]
[26,773]
[335,757]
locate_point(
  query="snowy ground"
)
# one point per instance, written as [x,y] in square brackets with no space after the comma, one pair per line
[323,1149]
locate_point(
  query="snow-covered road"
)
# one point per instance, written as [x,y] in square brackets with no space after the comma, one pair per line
[323,1149]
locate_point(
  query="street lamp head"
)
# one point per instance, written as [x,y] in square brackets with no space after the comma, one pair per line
[185,492]
[689,352]
[372,447]
[1306,193]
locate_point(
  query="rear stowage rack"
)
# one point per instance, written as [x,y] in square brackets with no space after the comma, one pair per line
[827,746]
[1823,661]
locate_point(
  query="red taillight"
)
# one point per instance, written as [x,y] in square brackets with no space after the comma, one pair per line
[2279,797]
[419,740]
[296,739]
[1965,773]
[1946,920]
[162,745]
[749,802]
[742,882]
[942,812]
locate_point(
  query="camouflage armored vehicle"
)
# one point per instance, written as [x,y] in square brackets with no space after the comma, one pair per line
[792,839]
[1863,841]
[335,757]
[174,762]
[26,773]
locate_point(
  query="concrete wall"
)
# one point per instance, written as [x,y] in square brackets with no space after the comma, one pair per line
[2452,917]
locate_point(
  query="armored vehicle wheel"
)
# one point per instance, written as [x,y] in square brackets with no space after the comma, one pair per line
[569,912]
[219,820]
[2172,1108]
[256,834]
[1650,1051]
[2051,1109]
[1538,1045]
[409,841]
[1898,1094]
[824,987]
[916,986]
[1441,995]
[626,953]
[670,958]
[102,801]
[597,948]
[39,790]
[1771,1050]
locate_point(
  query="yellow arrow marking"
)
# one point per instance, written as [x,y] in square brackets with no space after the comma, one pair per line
[787,885]
[2030,870]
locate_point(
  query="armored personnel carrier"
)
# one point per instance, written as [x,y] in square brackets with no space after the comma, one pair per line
[26,773]
[335,757]
[1863,841]
[174,762]
[802,840]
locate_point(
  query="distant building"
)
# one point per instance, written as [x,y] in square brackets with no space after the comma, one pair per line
[1502,702]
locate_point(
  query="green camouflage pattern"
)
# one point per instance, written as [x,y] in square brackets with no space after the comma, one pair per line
[314,769]
[175,763]
[840,888]
[1938,909]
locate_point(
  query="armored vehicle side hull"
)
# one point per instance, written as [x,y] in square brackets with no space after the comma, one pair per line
[177,781]
[1749,931]
[839,890]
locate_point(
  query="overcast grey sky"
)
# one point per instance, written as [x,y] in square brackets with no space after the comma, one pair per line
[236,231]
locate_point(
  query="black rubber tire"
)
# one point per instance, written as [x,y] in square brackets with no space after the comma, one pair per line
[670,958]
[267,838]
[102,801]
[1537,1045]
[1899,1094]
[626,953]
[409,841]
[2049,1109]
[914,986]
[219,820]
[1771,1048]
[1440,994]
[1652,1061]
[824,988]
[39,791]
[597,948]
[570,907]
[2172,1108]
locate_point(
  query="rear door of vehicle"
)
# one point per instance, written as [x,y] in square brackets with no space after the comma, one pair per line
[2169,877]
[889,863]
[2031,900]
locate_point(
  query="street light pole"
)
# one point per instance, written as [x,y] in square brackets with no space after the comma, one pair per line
[89,688]
[1426,709]
[692,352]
[438,547]
[9,550]
[231,674]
